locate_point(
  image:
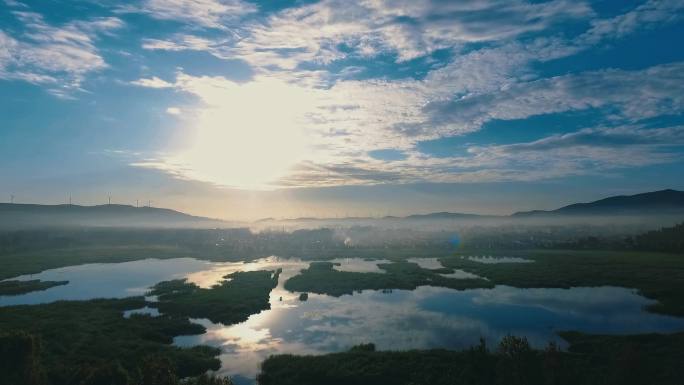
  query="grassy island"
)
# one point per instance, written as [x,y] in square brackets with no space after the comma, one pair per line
[231,301]
[322,278]
[78,335]
[659,276]
[23,287]
[591,360]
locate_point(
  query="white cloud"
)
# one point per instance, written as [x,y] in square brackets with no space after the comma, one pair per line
[651,13]
[174,111]
[633,95]
[409,29]
[7,47]
[180,42]
[153,82]
[15,4]
[205,13]
[338,120]
[60,56]
[611,137]
[301,136]
[316,33]
[589,151]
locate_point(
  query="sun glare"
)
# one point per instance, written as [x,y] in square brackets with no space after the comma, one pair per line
[247,136]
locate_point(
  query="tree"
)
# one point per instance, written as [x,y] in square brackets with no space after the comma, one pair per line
[206,379]
[518,363]
[107,374]
[158,371]
[20,359]
[370,347]
[477,368]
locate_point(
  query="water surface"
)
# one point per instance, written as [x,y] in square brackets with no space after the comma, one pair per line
[492,260]
[106,280]
[434,263]
[428,317]
[150,311]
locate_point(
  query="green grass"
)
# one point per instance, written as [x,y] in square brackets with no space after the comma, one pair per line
[78,336]
[592,360]
[658,276]
[75,334]
[321,278]
[16,264]
[13,264]
[231,301]
[32,251]
[23,287]
[83,334]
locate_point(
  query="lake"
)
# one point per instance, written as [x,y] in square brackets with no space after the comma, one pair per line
[428,317]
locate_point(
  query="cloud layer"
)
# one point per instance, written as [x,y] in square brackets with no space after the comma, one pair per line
[59,56]
[331,82]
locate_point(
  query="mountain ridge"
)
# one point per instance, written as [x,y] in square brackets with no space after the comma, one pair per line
[648,203]
[666,201]
[31,215]
[654,202]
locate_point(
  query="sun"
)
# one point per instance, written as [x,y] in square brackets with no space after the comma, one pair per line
[246,135]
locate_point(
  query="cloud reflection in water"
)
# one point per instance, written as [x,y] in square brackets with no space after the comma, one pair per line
[427,317]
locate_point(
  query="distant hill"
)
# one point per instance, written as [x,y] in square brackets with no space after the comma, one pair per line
[444,215]
[428,216]
[651,203]
[34,215]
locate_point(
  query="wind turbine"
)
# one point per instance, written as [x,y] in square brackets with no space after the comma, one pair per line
[12,198]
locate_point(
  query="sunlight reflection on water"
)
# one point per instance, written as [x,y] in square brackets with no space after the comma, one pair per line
[427,317]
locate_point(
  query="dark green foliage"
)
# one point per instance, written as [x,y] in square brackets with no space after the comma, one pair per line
[207,380]
[158,371]
[477,366]
[363,348]
[656,275]
[321,278]
[596,360]
[667,239]
[111,373]
[20,365]
[517,363]
[232,301]
[32,262]
[670,239]
[152,371]
[78,336]
[631,360]
[20,359]
[91,343]
[23,287]
[32,251]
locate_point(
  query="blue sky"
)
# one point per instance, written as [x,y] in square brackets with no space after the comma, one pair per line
[240,109]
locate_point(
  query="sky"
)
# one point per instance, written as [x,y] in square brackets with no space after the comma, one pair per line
[242,110]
